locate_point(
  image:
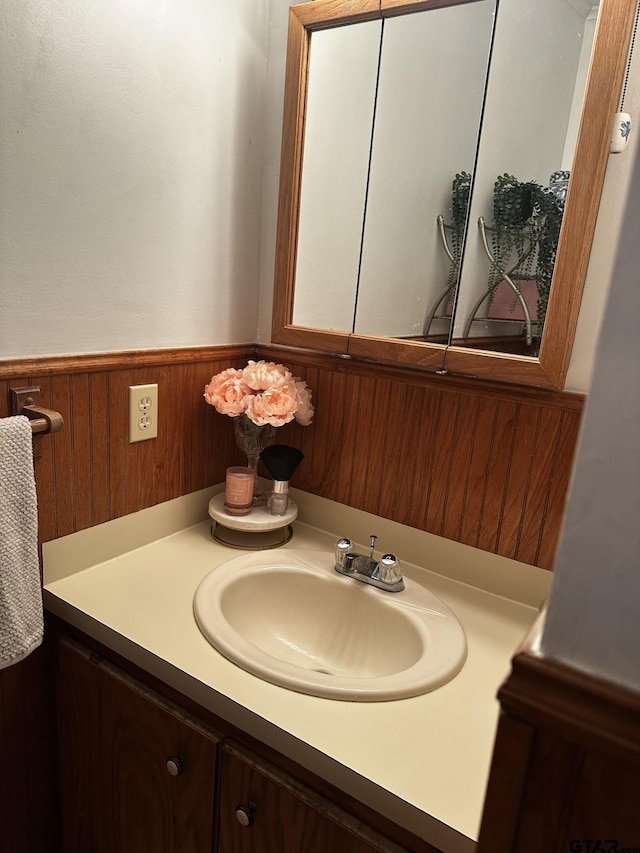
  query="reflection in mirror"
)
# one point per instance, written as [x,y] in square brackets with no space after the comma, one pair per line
[532,111]
[433,68]
[340,105]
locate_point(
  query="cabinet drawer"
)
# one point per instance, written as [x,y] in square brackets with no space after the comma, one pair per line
[264,810]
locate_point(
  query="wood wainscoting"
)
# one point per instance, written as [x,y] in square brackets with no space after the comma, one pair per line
[484,464]
[89,473]
[480,463]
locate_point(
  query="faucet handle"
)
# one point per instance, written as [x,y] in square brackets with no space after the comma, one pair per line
[389,570]
[343,547]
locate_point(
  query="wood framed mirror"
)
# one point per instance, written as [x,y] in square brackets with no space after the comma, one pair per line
[548,367]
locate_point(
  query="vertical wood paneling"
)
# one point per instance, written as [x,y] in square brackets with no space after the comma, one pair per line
[168,461]
[476,479]
[63,470]
[446,456]
[376,435]
[322,451]
[116,415]
[559,478]
[394,487]
[130,452]
[427,417]
[80,429]
[100,446]
[519,479]
[361,414]
[198,451]
[44,470]
[460,461]
[442,451]
[403,467]
[396,477]
[497,474]
[535,502]
[330,411]
[349,441]
[340,404]
[487,470]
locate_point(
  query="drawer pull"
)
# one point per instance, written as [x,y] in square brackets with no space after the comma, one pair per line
[244,814]
[175,766]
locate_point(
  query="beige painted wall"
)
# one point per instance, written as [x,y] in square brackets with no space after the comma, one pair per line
[130,173]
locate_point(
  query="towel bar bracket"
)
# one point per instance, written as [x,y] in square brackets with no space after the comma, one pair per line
[27,401]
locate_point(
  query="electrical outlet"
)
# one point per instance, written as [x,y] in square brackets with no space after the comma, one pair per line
[143,412]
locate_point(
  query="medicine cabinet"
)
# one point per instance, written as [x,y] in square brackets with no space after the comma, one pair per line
[402,120]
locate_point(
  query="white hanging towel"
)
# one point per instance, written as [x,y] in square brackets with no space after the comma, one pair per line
[21,620]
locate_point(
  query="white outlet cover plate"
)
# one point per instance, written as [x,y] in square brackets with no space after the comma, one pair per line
[143,412]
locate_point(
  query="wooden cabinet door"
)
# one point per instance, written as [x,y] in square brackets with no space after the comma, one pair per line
[115,741]
[284,816]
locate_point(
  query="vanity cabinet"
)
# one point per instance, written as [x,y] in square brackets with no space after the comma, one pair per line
[137,774]
[141,774]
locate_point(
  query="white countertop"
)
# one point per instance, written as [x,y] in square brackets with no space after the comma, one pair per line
[423,762]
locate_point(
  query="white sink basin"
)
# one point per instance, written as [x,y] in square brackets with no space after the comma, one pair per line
[291,619]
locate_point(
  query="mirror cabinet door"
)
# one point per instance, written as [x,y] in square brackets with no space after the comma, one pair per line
[343,68]
[532,110]
[433,67]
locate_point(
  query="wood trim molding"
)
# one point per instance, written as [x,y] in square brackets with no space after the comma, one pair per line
[588,710]
[565,400]
[124,360]
[388,8]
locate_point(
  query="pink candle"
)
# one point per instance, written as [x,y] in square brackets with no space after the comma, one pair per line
[238,495]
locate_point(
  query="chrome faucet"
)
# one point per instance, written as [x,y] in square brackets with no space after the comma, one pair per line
[384,574]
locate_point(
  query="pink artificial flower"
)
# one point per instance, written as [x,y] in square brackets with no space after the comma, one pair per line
[263,375]
[304,412]
[275,406]
[228,392]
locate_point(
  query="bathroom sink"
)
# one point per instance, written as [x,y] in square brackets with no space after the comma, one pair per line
[291,619]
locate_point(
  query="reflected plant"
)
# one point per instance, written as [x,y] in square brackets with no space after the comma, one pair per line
[460,192]
[524,238]
[513,235]
[550,209]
